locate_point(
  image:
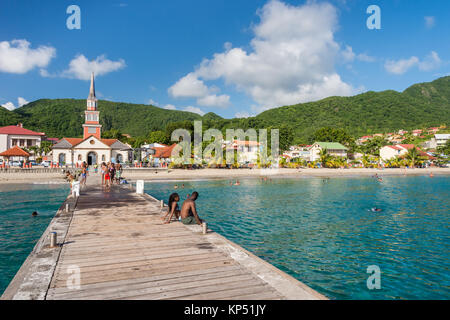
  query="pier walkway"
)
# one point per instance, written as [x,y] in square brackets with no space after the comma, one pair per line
[117,246]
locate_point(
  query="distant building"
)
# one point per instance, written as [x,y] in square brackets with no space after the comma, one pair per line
[417,132]
[91,149]
[148,149]
[11,136]
[248,150]
[441,139]
[333,149]
[162,154]
[399,150]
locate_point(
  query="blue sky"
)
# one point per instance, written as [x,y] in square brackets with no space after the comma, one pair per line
[226,56]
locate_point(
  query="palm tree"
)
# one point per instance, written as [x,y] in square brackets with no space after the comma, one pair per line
[412,156]
[324,157]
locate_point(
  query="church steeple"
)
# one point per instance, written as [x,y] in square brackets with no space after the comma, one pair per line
[91,126]
[92,100]
[92,89]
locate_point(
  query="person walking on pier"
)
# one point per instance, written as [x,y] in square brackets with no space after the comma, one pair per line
[103,169]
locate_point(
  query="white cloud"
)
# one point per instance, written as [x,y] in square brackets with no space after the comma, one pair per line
[365,58]
[169,107]
[81,68]
[20,102]
[431,62]
[398,67]
[153,102]
[430,22]
[292,57]
[242,114]
[17,56]
[213,100]
[194,110]
[9,105]
[189,87]
[349,56]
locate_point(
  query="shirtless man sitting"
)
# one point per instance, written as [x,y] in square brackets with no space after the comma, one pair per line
[188,211]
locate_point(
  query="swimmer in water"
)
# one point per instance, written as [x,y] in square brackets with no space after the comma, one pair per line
[375,209]
[237,183]
[431,175]
[34,214]
[175,186]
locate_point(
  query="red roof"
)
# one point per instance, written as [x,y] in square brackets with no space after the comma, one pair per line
[163,153]
[108,142]
[15,152]
[73,141]
[19,131]
[76,141]
[406,146]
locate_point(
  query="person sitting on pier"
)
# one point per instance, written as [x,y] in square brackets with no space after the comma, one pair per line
[189,211]
[173,207]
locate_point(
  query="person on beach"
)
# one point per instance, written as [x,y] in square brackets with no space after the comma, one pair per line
[173,208]
[107,180]
[103,169]
[188,211]
[118,172]
[112,172]
[83,176]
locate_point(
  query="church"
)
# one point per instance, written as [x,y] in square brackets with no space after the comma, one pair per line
[91,149]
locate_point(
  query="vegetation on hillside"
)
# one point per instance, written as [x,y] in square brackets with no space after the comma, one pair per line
[420,106]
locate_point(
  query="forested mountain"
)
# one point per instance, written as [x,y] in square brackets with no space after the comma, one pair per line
[421,105]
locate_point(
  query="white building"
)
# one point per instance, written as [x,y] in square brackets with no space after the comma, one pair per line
[248,151]
[391,152]
[334,149]
[91,149]
[12,136]
[441,139]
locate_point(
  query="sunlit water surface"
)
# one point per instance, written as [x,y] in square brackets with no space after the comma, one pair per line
[323,233]
[19,231]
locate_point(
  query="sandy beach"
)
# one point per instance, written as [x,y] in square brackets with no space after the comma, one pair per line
[181,174]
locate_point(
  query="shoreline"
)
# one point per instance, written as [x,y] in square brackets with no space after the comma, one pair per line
[209,174]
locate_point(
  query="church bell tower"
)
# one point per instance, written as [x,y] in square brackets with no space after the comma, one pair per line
[92,126]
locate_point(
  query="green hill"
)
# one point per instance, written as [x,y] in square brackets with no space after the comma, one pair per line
[421,105]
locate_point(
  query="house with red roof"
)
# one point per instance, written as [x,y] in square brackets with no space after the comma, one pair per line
[400,150]
[91,149]
[11,136]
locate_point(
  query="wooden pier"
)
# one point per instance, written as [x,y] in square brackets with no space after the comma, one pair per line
[117,246]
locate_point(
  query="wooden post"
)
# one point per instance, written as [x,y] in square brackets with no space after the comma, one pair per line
[53,239]
[162,204]
[204,227]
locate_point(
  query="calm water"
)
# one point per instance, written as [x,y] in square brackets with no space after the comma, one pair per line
[19,231]
[323,233]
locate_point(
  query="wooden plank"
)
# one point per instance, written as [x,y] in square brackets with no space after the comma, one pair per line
[112,292]
[178,275]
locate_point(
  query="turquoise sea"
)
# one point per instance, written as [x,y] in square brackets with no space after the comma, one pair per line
[19,231]
[323,233]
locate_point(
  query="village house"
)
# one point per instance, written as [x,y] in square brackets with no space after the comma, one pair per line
[11,136]
[247,150]
[334,149]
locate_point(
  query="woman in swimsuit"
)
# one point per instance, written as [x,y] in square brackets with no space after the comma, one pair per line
[173,207]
